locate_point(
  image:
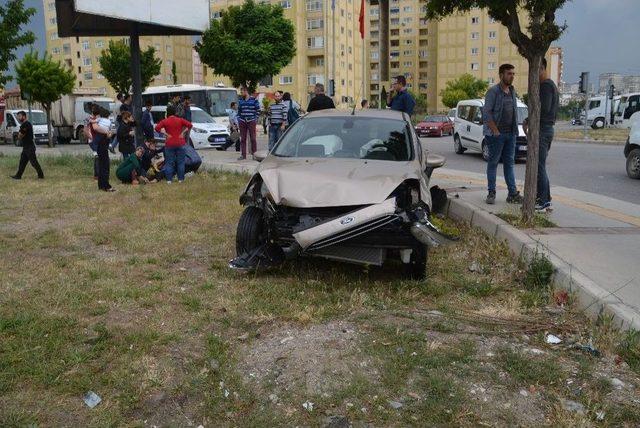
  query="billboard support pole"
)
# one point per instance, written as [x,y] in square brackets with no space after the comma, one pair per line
[136,79]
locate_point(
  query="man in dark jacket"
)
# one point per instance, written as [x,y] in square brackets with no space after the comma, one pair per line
[400,99]
[320,101]
[126,135]
[147,122]
[25,136]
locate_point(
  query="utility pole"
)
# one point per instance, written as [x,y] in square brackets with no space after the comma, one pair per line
[332,83]
[584,88]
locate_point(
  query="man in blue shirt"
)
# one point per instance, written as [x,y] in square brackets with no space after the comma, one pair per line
[400,99]
[248,112]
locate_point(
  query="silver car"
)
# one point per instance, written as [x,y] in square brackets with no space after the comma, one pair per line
[349,186]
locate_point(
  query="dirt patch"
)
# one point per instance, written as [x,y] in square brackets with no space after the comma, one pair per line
[315,360]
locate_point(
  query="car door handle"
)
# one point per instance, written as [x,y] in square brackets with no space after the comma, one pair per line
[468,128]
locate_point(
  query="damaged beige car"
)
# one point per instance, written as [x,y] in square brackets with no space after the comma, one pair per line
[348,186]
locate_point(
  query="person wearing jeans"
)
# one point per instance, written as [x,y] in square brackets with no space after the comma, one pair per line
[174,128]
[248,112]
[500,129]
[277,119]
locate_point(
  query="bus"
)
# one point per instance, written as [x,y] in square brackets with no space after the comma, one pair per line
[628,110]
[214,100]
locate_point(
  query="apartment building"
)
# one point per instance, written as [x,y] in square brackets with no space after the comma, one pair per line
[328,47]
[82,53]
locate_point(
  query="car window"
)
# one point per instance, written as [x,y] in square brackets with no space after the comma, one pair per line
[463,112]
[10,121]
[347,137]
[199,116]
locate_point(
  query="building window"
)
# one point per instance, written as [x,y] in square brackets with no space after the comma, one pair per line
[407,9]
[315,78]
[491,49]
[66,49]
[100,43]
[492,20]
[55,51]
[474,51]
[375,55]
[491,80]
[407,53]
[99,76]
[319,62]
[315,24]
[51,5]
[286,4]
[491,66]
[54,36]
[86,45]
[394,10]
[475,20]
[286,80]
[407,64]
[314,5]
[475,36]
[422,54]
[53,21]
[169,48]
[475,66]
[214,15]
[315,42]
[408,31]
[88,76]
[407,20]
[492,34]
[86,61]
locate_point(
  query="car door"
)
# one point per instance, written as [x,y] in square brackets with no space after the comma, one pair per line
[476,133]
[10,127]
[461,124]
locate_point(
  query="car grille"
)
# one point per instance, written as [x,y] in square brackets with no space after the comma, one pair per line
[353,232]
[521,141]
[217,138]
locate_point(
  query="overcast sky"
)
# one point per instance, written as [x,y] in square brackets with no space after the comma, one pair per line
[602,36]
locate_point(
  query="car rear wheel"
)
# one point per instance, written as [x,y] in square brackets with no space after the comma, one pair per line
[249,234]
[598,123]
[485,151]
[457,145]
[417,267]
[633,164]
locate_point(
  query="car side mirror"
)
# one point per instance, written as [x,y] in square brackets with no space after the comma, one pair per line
[477,122]
[260,155]
[434,161]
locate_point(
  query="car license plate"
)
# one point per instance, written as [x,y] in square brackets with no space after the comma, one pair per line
[220,140]
[523,148]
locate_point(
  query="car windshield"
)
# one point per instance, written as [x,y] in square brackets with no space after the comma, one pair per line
[346,137]
[523,113]
[220,100]
[37,118]
[199,116]
[435,119]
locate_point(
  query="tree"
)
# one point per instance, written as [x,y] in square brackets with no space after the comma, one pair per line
[533,41]
[421,103]
[45,81]
[13,16]
[115,62]
[464,87]
[249,42]
[525,98]
[174,73]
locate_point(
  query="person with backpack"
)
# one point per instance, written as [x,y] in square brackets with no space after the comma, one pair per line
[293,109]
[277,119]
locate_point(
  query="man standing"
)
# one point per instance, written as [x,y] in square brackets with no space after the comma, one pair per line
[248,112]
[320,101]
[548,111]
[500,129]
[177,104]
[186,115]
[125,106]
[400,99]
[147,122]
[277,119]
[28,155]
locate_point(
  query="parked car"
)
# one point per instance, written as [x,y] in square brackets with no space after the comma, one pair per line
[632,151]
[9,127]
[434,126]
[468,127]
[341,186]
[206,132]
[452,114]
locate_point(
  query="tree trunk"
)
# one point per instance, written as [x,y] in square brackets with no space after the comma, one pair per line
[533,140]
[47,109]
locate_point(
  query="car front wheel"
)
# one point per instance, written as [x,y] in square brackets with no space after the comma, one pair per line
[633,164]
[249,234]
[457,145]
[417,267]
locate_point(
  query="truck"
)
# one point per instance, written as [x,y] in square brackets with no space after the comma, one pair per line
[69,113]
[599,109]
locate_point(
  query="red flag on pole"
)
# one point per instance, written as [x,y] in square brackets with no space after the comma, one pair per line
[361,19]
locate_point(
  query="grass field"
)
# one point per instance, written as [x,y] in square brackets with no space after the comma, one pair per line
[128,295]
[610,135]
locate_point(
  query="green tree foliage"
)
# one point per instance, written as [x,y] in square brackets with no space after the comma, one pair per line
[533,37]
[465,87]
[174,73]
[13,16]
[45,81]
[421,103]
[115,63]
[248,43]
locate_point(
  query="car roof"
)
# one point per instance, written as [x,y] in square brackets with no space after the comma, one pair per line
[369,113]
[479,102]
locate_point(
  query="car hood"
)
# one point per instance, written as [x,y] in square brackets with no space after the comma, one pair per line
[428,124]
[210,127]
[314,182]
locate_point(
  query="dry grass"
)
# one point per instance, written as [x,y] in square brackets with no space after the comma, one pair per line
[128,295]
[607,135]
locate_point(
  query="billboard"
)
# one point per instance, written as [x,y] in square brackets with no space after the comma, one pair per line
[190,15]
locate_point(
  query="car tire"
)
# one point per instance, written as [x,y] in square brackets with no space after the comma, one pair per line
[441,133]
[633,164]
[416,269]
[249,234]
[485,151]
[457,145]
[598,123]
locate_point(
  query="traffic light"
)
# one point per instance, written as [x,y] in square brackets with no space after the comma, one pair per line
[584,82]
[611,91]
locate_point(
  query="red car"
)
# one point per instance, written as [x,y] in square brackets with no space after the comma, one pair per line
[435,126]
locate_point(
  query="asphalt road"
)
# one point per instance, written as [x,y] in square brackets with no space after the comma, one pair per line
[591,168]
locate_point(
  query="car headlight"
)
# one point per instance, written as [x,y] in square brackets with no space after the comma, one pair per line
[199,130]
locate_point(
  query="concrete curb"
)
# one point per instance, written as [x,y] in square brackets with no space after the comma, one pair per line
[601,142]
[590,297]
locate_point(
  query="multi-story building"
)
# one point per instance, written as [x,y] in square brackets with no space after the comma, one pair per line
[82,53]
[555,64]
[606,79]
[198,68]
[328,47]
[631,83]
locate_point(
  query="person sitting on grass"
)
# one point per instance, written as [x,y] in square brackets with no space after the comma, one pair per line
[130,171]
[150,152]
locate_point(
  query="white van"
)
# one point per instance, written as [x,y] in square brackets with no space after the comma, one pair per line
[468,133]
[10,127]
[206,132]
[628,110]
